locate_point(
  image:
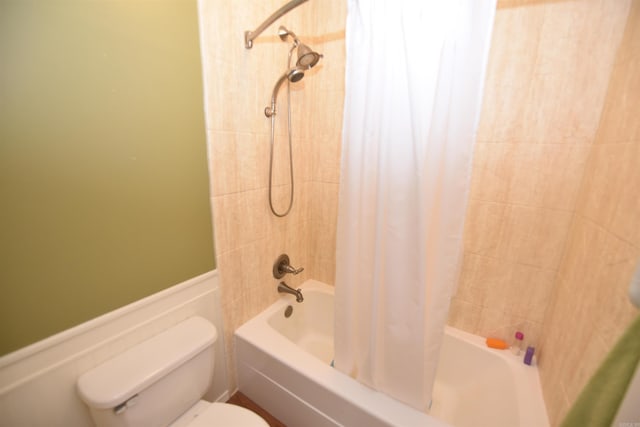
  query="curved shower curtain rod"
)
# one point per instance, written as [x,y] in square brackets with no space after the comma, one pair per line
[249,36]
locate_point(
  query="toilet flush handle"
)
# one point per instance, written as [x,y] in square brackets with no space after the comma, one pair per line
[126,404]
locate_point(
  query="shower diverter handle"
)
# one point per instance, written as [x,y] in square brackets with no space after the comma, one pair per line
[282,267]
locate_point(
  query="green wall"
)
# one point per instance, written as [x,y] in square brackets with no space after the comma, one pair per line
[104,194]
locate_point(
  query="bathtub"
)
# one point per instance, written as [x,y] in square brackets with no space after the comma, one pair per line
[284,365]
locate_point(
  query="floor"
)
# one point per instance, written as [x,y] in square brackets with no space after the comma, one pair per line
[242,400]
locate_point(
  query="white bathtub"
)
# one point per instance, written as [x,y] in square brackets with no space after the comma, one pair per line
[284,366]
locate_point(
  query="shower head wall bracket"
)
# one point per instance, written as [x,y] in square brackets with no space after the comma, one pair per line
[283,33]
[249,36]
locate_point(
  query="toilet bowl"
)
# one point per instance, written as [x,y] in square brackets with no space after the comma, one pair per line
[161,382]
[205,414]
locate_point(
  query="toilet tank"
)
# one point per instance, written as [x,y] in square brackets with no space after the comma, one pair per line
[154,382]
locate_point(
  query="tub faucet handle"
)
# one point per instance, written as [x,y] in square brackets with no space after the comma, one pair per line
[282,267]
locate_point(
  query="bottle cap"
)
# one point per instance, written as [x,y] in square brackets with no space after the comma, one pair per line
[519,335]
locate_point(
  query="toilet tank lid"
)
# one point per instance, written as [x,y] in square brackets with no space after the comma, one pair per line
[130,372]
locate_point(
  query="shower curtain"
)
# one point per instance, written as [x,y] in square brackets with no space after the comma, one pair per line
[414,78]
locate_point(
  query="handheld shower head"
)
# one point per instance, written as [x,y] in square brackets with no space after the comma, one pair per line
[293,75]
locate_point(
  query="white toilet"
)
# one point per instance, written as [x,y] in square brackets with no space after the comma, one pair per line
[160,382]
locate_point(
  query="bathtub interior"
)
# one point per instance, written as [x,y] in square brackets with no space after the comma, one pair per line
[310,326]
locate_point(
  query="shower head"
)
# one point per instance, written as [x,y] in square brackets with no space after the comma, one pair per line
[306,57]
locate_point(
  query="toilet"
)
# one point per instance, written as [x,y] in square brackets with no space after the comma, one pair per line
[160,382]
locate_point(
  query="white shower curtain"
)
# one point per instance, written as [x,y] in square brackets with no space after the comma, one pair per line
[414,79]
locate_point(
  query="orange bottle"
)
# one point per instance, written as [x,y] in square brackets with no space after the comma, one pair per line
[497,343]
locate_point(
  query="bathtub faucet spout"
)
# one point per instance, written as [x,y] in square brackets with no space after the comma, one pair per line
[284,288]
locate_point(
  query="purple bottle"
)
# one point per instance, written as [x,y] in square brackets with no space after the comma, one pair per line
[528,356]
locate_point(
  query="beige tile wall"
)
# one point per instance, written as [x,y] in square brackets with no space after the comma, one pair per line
[590,307]
[552,229]
[547,79]
[238,86]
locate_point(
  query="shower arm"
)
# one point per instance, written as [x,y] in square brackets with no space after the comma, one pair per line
[249,36]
